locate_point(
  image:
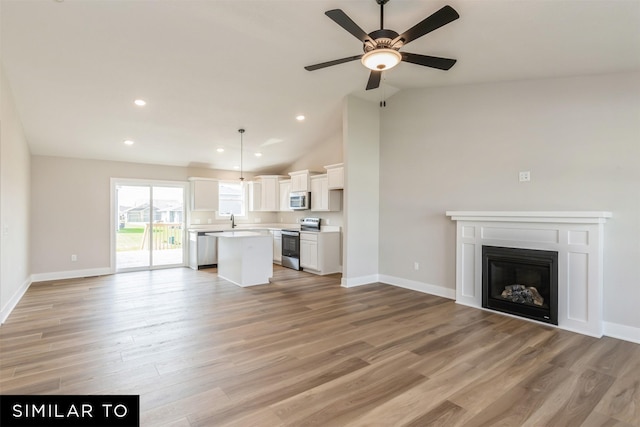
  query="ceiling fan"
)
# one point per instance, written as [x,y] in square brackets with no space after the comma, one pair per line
[381,47]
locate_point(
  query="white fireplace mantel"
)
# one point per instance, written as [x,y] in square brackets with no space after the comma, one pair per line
[578,238]
[576,217]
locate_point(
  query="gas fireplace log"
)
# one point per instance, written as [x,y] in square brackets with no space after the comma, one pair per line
[522,294]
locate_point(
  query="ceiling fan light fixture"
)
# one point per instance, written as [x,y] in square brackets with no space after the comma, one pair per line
[381,59]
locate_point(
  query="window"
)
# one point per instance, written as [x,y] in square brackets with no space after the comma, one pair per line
[231,199]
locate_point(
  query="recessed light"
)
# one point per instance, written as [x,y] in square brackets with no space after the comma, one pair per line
[258,154]
[236,167]
[128,142]
[220,150]
[140,102]
[299,117]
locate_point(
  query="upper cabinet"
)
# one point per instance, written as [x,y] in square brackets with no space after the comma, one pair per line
[322,199]
[285,189]
[300,180]
[255,196]
[265,193]
[335,176]
[204,194]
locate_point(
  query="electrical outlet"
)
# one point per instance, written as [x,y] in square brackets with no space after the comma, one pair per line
[74,257]
[524,176]
[209,221]
[416,266]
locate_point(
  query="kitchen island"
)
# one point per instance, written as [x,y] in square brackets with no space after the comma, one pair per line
[245,257]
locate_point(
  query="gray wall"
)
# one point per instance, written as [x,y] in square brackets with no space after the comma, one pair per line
[461,148]
[361,130]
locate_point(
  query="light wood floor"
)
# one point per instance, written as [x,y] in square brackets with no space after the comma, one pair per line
[303,351]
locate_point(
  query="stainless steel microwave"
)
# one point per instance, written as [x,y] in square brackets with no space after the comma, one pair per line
[299,200]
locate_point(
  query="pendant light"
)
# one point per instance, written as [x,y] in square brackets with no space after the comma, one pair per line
[241,132]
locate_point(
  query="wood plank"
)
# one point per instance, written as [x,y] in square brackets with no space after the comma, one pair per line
[201,351]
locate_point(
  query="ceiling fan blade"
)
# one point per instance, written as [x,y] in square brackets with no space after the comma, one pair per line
[433,22]
[330,63]
[428,61]
[341,18]
[374,80]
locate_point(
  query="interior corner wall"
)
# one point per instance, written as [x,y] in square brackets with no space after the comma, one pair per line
[15,164]
[361,145]
[461,148]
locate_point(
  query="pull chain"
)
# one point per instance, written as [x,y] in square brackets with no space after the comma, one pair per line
[383,102]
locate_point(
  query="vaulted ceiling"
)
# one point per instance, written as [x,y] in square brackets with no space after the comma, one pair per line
[207,68]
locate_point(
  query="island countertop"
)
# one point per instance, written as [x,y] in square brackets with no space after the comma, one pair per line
[240,233]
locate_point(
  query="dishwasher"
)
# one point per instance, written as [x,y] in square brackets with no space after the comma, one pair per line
[203,250]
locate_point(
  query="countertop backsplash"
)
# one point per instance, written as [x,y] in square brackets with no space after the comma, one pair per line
[206,220]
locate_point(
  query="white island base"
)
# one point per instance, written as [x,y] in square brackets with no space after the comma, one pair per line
[245,257]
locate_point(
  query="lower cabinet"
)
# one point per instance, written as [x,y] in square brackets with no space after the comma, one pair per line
[320,252]
[277,246]
[309,251]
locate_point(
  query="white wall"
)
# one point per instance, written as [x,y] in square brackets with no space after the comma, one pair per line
[361,130]
[14,203]
[461,148]
[326,153]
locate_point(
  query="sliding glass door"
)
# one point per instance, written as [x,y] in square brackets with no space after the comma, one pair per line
[150,224]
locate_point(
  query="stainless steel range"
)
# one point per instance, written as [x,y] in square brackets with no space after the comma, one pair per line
[291,242]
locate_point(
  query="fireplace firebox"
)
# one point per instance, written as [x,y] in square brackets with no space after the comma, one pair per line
[522,282]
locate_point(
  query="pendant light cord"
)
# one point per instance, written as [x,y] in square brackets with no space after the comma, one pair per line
[241,132]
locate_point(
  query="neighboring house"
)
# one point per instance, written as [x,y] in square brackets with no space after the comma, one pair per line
[173,214]
[163,211]
[142,213]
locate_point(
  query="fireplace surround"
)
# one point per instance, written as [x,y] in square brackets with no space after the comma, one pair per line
[577,237]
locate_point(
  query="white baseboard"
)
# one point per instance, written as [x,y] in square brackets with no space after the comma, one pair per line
[622,332]
[72,274]
[359,281]
[17,296]
[413,285]
[425,288]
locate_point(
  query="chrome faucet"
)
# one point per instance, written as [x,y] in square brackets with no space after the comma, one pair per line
[233,221]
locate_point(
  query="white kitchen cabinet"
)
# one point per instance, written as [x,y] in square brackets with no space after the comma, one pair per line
[264,193]
[269,192]
[320,252]
[323,199]
[204,194]
[285,189]
[300,180]
[277,246]
[335,176]
[254,195]
[309,250]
